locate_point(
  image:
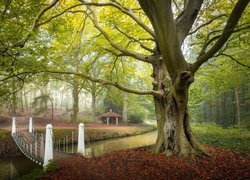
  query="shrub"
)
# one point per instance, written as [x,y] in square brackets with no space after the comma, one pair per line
[52,166]
[136,118]
[83,119]
[33,174]
[3,133]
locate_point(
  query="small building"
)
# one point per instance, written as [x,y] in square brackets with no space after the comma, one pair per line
[110,118]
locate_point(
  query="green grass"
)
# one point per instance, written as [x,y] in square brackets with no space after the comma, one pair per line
[32,175]
[38,172]
[3,133]
[231,138]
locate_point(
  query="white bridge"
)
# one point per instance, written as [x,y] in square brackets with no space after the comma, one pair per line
[39,147]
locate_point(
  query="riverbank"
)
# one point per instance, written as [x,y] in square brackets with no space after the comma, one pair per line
[140,163]
[93,133]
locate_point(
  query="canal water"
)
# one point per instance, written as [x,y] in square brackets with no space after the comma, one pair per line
[16,166]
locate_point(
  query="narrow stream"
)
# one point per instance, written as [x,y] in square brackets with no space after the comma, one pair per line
[103,147]
[17,166]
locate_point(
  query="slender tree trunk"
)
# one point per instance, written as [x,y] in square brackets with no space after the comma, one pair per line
[174,133]
[62,96]
[13,100]
[237,105]
[75,95]
[41,103]
[93,105]
[55,100]
[25,99]
[21,101]
[125,108]
[52,109]
[13,104]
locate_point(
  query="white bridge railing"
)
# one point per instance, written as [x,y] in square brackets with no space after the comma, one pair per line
[34,146]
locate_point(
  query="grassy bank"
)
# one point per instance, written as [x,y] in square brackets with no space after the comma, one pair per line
[101,133]
[230,138]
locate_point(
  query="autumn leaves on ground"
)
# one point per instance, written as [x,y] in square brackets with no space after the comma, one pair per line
[140,163]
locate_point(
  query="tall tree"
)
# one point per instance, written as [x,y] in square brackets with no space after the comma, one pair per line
[171,72]
[163,27]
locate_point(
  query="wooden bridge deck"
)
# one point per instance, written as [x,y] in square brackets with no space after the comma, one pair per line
[33,146]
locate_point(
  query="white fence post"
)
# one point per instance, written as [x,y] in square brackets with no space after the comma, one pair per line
[13,131]
[30,125]
[81,143]
[48,155]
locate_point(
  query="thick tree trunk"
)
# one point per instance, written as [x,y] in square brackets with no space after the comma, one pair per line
[174,133]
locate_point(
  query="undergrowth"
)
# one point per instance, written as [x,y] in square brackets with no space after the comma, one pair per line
[236,139]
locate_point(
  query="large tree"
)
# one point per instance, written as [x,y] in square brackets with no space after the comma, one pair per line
[164,25]
[171,72]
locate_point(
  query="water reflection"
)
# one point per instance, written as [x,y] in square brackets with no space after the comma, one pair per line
[15,166]
[99,148]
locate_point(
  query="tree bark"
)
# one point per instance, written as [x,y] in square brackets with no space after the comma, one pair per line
[174,132]
[172,77]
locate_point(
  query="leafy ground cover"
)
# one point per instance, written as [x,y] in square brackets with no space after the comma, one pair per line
[140,163]
[236,139]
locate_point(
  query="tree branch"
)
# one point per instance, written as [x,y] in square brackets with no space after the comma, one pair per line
[186,20]
[141,57]
[35,23]
[207,23]
[59,14]
[106,82]
[228,30]
[161,17]
[136,40]
[124,10]
[235,60]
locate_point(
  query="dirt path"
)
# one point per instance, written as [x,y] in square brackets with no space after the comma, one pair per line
[22,122]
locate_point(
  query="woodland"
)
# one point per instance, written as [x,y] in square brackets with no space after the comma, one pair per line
[169,62]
